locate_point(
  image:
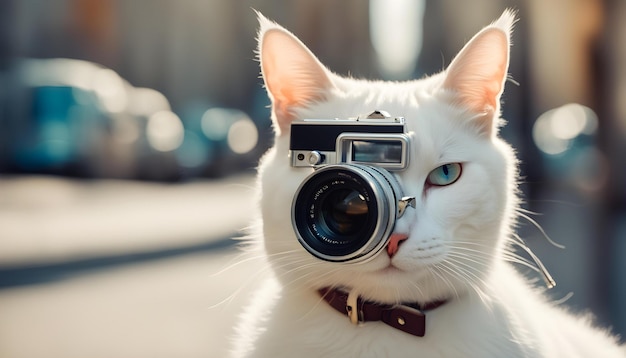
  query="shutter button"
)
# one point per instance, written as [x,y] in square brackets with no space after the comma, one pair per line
[315,158]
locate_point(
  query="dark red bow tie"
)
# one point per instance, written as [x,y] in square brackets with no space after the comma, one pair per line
[407,317]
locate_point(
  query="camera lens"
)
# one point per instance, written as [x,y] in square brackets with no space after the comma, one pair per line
[345,212]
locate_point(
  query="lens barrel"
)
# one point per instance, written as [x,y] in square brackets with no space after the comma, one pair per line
[346,212]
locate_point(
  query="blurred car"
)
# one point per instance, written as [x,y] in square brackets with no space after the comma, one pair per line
[72,117]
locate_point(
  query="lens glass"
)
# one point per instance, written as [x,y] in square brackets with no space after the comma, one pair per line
[344,211]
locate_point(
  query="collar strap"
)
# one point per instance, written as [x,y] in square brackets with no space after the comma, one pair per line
[407,317]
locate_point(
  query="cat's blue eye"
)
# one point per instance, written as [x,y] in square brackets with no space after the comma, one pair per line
[445,174]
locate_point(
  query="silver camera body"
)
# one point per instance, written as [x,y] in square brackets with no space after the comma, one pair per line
[346,209]
[377,139]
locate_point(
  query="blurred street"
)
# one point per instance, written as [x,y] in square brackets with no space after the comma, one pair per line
[120,269]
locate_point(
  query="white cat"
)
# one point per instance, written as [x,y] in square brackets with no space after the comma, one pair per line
[452,245]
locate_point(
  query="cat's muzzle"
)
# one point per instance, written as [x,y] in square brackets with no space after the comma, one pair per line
[346,212]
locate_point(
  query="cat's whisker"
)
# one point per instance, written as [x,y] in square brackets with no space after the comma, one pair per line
[244,285]
[475,256]
[300,277]
[541,230]
[437,270]
[229,299]
[477,247]
[289,267]
[245,258]
[241,259]
[514,258]
[467,258]
[470,279]
[250,188]
[466,244]
[467,268]
[547,278]
[459,263]
[312,309]
[398,294]
[473,252]
[526,211]
[418,288]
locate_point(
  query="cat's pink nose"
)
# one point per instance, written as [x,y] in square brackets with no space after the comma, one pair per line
[394,243]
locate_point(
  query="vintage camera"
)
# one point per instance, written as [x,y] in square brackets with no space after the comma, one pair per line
[346,209]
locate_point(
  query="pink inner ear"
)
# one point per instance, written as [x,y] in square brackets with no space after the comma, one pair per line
[293,75]
[478,72]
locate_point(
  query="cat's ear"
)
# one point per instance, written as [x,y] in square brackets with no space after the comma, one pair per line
[293,76]
[477,74]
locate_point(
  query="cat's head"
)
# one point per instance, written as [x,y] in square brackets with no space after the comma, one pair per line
[457,228]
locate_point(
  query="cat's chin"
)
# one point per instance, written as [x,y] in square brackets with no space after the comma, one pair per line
[391,285]
[390,270]
[395,272]
[385,268]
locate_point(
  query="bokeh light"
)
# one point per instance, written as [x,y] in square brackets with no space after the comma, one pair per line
[147,101]
[243,136]
[194,151]
[165,131]
[231,125]
[216,121]
[554,130]
[396,33]
[111,90]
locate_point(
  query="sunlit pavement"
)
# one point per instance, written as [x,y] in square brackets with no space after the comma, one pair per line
[121,269]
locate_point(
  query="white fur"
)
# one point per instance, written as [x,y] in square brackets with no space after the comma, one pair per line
[459,235]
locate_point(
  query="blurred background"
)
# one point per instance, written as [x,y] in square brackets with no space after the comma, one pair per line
[129,133]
